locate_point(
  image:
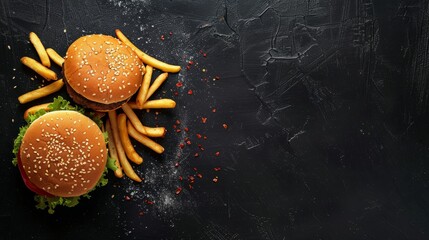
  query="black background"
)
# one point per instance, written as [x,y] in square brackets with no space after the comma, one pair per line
[326,104]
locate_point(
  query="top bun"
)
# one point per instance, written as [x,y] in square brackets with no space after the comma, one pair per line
[63,153]
[102,69]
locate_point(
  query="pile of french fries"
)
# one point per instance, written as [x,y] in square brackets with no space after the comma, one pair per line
[121,124]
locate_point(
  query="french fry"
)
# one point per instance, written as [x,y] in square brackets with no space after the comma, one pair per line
[148,60]
[129,171]
[38,45]
[55,57]
[156,84]
[143,139]
[34,109]
[141,95]
[133,118]
[43,71]
[159,103]
[126,142]
[155,131]
[41,92]
[112,150]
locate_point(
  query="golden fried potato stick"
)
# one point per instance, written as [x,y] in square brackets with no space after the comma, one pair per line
[126,142]
[43,71]
[41,92]
[38,45]
[141,95]
[133,118]
[155,131]
[156,84]
[129,171]
[34,109]
[112,150]
[143,139]
[55,57]
[159,103]
[148,60]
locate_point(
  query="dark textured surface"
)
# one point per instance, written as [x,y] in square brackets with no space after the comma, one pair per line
[326,103]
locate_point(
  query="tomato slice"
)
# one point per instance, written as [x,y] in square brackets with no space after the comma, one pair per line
[28,183]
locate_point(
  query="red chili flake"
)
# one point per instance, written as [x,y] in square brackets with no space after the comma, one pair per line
[174,126]
[205,137]
[171,33]
[188,142]
[178,122]
[178,190]
[190,186]
[179,84]
[191,179]
[186,139]
[217,169]
[199,135]
[215,179]
[162,37]
[199,175]
[217,154]
[190,92]
[188,67]
[195,169]
[204,54]
[217,78]
[148,202]
[181,145]
[201,51]
[127,198]
[225,126]
[180,178]
[176,93]
[203,119]
[196,155]
[176,164]
[186,129]
[201,147]
[191,62]
[178,130]
[141,213]
[214,110]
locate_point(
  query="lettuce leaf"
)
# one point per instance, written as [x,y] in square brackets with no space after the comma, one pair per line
[51,203]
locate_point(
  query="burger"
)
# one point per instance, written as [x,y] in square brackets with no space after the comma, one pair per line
[101,72]
[61,155]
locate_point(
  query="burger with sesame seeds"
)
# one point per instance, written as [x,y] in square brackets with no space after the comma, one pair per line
[101,72]
[61,155]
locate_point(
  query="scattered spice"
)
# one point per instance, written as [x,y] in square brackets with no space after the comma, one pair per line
[196,155]
[176,164]
[180,178]
[214,110]
[225,126]
[141,213]
[162,38]
[179,84]
[201,147]
[186,129]
[217,169]
[171,33]
[199,175]
[203,119]
[178,122]
[199,135]
[217,154]
[127,198]
[188,142]
[190,92]
[178,130]
[148,202]
[215,179]
[181,145]
[178,190]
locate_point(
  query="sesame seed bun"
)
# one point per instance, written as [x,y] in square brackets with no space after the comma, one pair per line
[63,153]
[102,70]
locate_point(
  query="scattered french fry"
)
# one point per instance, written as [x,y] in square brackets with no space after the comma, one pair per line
[144,140]
[43,71]
[55,57]
[156,84]
[34,109]
[129,171]
[126,142]
[155,131]
[112,150]
[41,92]
[38,45]
[133,118]
[141,95]
[159,103]
[148,60]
